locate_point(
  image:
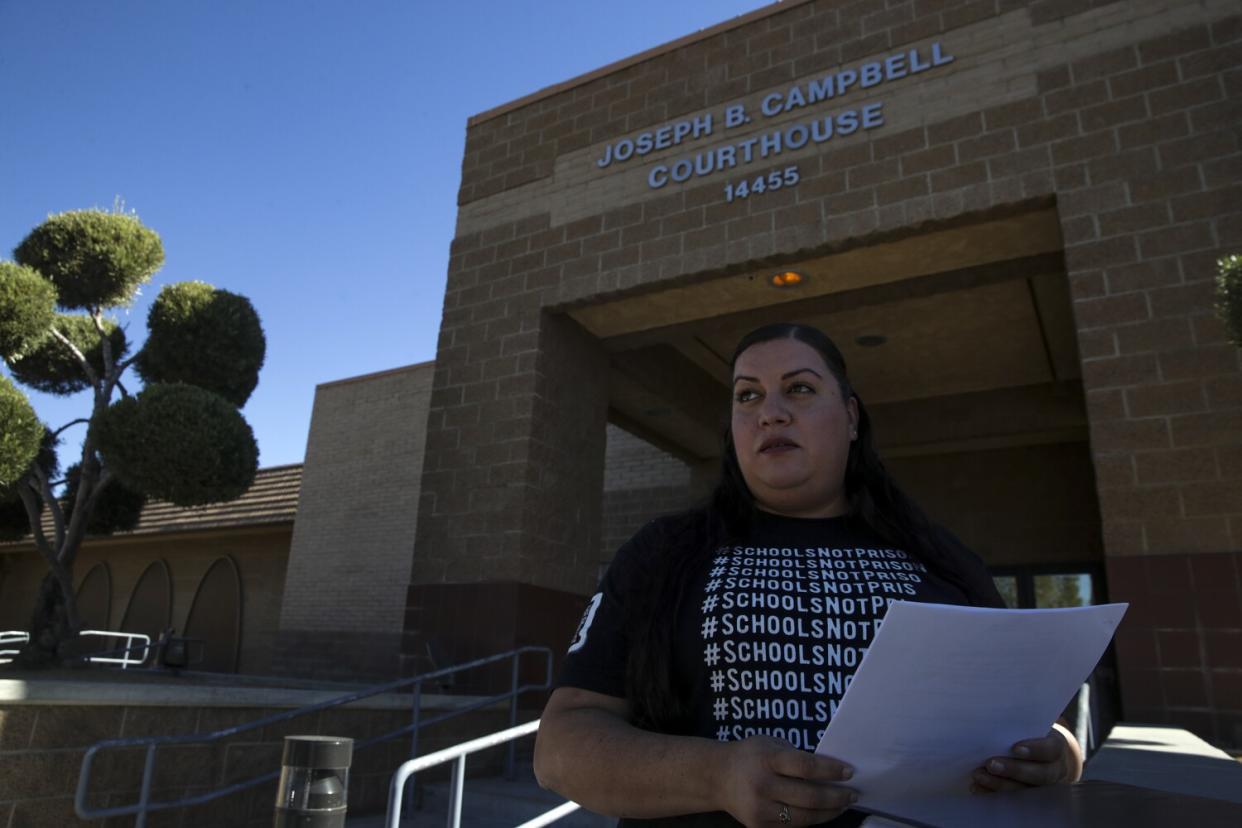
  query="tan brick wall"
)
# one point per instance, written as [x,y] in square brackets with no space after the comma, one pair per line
[353,537]
[1123,115]
[632,463]
[640,482]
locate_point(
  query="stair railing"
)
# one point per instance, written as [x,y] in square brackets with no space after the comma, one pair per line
[457,755]
[144,805]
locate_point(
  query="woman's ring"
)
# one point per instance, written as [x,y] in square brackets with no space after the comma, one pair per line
[785,817]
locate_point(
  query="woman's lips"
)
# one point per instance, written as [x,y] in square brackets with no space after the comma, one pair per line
[777,446]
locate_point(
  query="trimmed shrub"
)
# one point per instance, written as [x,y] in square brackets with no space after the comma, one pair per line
[14,525]
[206,337]
[117,508]
[179,443]
[50,366]
[1229,295]
[21,434]
[27,307]
[94,258]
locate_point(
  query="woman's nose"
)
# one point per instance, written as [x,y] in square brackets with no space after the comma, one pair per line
[773,411]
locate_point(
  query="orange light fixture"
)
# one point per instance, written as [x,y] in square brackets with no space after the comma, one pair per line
[787,279]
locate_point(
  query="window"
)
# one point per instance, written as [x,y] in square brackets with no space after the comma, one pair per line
[1048,587]
[1069,585]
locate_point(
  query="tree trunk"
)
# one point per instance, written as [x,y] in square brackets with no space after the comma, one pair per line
[54,624]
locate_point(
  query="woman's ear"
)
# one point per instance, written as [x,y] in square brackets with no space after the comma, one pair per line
[852,408]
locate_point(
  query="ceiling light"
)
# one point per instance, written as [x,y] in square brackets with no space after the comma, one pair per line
[871,340]
[787,279]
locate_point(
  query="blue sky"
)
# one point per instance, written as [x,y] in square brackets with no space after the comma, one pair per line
[304,154]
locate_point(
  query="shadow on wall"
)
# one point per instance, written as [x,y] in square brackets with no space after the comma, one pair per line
[214,618]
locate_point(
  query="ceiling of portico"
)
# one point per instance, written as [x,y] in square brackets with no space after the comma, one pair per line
[979,345]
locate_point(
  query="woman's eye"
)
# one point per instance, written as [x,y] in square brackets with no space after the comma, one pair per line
[745,395]
[801,388]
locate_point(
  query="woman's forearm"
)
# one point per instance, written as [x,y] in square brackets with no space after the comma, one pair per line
[600,761]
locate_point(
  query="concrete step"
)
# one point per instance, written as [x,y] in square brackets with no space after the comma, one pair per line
[489,802]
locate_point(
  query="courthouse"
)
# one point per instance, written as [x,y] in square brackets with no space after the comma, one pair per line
[1007,214]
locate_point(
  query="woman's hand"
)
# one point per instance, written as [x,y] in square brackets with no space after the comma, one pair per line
[768,781]
[1033,762]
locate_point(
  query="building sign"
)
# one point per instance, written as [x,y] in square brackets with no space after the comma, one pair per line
[819,129]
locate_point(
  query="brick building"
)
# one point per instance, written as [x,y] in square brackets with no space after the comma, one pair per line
[1007,215]
[215,573]
[317,554]
[305,575]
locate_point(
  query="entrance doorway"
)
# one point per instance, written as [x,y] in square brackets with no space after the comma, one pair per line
[959,338]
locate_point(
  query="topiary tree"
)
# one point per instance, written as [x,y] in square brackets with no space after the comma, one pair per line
[1229,295]
[181,438]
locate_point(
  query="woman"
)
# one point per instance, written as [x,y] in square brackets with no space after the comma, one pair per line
[708,665]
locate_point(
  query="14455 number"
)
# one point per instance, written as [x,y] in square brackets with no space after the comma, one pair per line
[774,180]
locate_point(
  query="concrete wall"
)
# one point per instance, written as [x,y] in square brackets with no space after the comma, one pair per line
[353,537]
[1027,505]
[1121,114]
[42,744]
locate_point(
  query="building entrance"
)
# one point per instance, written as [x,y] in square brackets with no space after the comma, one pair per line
[959,339]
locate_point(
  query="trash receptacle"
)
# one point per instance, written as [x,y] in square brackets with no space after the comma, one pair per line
[314,782]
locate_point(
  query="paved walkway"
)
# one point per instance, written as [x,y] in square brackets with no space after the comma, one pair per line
[1166,759]
[1146,756]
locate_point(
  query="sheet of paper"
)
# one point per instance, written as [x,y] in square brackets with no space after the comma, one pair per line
[942,688]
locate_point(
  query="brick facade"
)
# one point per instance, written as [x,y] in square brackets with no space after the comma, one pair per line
[349,561]
[42,744]
[1120,116]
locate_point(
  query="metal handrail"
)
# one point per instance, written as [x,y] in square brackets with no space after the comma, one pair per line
[119,655]
[124,660]
[144,805]
[457,754]
[12,637]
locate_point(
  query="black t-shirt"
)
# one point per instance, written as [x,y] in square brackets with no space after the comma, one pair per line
[771,629]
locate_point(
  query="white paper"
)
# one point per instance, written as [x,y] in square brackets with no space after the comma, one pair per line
[942,688]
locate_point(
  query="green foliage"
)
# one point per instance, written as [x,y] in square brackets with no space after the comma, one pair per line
[117,508]
[27,306]
[205,337]
[1229,295]
[20,434]
[179,443]
[50,366]
[14,525]
[93,257]
[1058,591]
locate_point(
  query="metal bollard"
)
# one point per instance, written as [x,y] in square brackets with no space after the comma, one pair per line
[314,782]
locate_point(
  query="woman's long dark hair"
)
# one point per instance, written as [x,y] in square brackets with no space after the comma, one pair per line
[873,498]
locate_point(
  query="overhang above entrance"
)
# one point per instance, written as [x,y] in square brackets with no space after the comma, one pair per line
[972,311]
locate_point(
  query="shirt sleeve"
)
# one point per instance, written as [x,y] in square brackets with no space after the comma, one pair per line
[597,655]
[981,590]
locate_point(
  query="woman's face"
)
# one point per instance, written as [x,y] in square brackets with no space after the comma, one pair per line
[792,429]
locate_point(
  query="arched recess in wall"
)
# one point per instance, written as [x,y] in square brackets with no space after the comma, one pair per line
[150,604]
[95,598]
[216,616]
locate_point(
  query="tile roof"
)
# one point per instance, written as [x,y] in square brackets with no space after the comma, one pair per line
[271,499]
